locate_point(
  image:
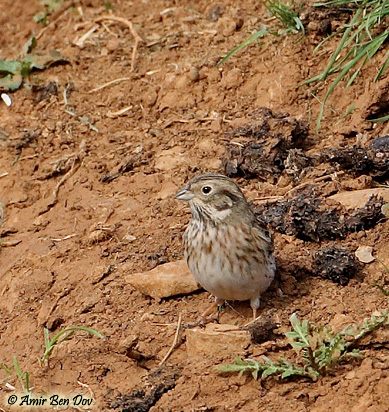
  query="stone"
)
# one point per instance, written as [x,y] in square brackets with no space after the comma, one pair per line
[217,340]
[232,79]
[113,44]
[358,198]
[168,190]
[169,159]
[226,26]
[364,254]
[170,279]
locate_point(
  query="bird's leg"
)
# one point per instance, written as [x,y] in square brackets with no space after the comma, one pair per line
[211,308]
[255,303]
[254,313]
[203,317]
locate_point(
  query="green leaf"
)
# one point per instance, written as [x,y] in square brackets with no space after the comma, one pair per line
[6,368]
[68,332]
[108,5]
[41,18]
[42,61]
[257,35]
[10,66]
[298,337]
[29,46]
[379,119]
[11,82]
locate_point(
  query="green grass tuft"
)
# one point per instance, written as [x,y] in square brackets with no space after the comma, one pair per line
[68,332]
[287,16]
[362,38]
[288,21]
[23,376]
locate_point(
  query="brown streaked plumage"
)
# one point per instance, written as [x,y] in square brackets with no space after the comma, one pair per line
[227,250]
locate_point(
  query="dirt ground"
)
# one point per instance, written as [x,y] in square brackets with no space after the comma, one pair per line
[89,199]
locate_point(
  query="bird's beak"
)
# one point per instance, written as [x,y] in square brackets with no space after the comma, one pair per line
[184,194]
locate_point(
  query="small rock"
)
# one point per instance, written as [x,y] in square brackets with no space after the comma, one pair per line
[149,98]
[363,254]
[170,159]
[128,347]
[113,44]
[340,321]
[226,26]
[170,279]
[385,209]
[183,82]
[358,198]
[217,340]
[194,74]
[6,99]
[350,375]
[232,79]
[40,222]
[168,189]
[214,13]
[128,238]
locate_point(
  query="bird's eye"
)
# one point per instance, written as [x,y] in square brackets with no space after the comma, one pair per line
[206,189]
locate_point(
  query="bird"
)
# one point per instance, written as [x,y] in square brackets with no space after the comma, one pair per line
[227,249]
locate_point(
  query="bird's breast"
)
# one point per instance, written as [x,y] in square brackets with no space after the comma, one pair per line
[228,261]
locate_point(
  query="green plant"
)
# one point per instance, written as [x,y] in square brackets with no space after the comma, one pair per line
[68,332]
[381,288]
[362,38]
[320,349]
[12,72]
[287,16]
[23,377]
[108,6]
[288,22]
[255,36]
[49,7]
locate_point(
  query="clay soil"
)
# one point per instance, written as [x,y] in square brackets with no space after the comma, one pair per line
[88,177]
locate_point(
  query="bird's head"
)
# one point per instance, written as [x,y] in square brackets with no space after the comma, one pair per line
[214,197]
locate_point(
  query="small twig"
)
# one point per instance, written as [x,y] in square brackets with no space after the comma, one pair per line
[11,243]
[76,164]
[112,115]
[4,174]
[65,95]
[128,23]
[331,176]
[27,158]
[170,351]
[122,79]
[84,385]
[266,198]
[234,310]
[80,41]
[63,238]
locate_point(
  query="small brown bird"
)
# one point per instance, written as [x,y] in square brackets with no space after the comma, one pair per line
[227,250]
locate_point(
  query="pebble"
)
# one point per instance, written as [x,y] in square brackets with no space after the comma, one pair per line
[169,279]
[358,198]
[217,340]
